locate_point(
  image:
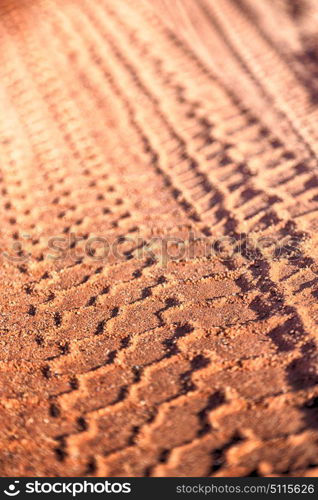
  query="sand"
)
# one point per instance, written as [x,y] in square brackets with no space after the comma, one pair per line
[158,312]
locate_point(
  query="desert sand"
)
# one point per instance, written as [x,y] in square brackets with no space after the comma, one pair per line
[159,200]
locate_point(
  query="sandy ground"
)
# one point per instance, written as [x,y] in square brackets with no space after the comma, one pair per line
[159,285]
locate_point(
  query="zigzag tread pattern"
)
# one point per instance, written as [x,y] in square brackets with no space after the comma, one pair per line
[120,120]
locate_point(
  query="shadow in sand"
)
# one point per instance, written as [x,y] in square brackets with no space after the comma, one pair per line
[301,373]
[307,60]
[8,6]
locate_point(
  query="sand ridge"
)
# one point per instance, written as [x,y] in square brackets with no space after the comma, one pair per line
[121,124]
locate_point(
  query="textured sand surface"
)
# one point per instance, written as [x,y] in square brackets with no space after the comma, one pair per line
[134,119]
